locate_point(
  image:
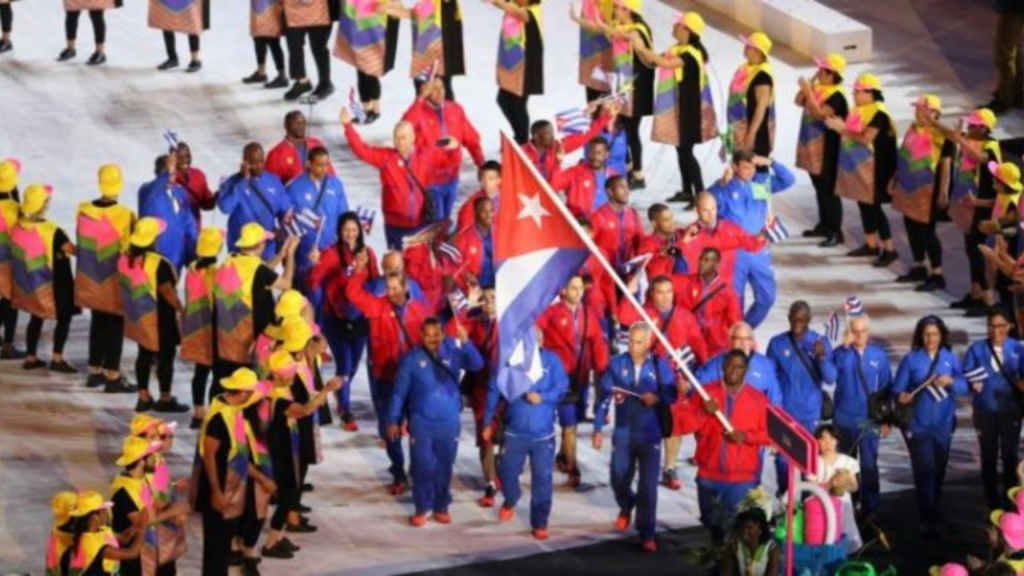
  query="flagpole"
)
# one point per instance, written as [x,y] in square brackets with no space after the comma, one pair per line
[589,242]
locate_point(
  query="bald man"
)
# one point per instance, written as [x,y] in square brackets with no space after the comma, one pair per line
[711,232]
[411,189]
[253,195]
[394,263]
[760,369]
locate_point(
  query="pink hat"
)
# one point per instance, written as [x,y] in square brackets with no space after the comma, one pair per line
[1011,527]
[949,569]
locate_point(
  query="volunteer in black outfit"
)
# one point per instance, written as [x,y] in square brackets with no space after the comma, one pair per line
[311,19]
[517,81]
[74,10]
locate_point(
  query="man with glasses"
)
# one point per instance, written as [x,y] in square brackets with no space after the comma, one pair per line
[993,369]
[862,370]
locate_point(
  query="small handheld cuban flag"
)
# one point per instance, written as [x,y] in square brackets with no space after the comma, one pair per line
[853,307]
[776,230]
[171,137]
[428,73]
[451,251]
[572,121]
[622,337]
[458,301]
[366,218]
[832,327]
[302,222]
[937,392]
[356,106]
[976,377]
[687,356]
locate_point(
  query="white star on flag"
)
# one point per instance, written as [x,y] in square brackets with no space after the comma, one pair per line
[532,209]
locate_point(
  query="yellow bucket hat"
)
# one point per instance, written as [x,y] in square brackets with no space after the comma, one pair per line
[110,181]
[135,449]
[242,380]
[290,304]
[636,6]
[36,197]
[281,363]
[143,423]
[252,235]
[147,230]
[983,117]
[210,241]
[1007,173]
[62,504]
[867,82]
[759,41]
[88,502]
[692,21]
[296,333]
[9,170]
[833,62]
[930,102]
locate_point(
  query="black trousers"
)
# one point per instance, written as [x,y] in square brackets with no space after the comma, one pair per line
[924,242]
[369,87]
[318,37]
[172,51]
[449,94]
[689,170]
[106,341]
[35,330]
[6,18]
[252,524]
[287,501]
[164,360]
[594,94]
[217,536]
[636,147]
[273,45]
[975,259]
[9,319]
[99,25]
[830,206]
[199,378]
[517,113]
[998,436]
[874,221]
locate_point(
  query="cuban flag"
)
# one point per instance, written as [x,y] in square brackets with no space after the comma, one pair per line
[573,121]
[366,218]
[428,73]
[854,307]
[777,231]
[537,251]
[356,106]
[458,301]
[171,137]
[832,327]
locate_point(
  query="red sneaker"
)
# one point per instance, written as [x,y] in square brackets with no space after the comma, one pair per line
[417,520]
[649,546]
[350,426]
[670,480]
[397,488]
[623,521]
[540,533]
[505,513]
[487,500]
[442,518]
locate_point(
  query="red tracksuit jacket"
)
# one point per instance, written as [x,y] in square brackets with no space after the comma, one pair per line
[618,241]
[717,458]
[430,126]
[402,197]
[471,244]
[547,162]
[682,329]
[580,186]
[428,267]
[660,264]
[467,214]
[483,333]
[284,160]
[594,296]
[391,337]
[725,236]
[198,192]
[564,333]
[330,274]
[716,315]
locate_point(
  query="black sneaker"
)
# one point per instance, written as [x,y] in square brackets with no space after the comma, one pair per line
[966,303]
[194,66]
[832,240]
[255,78]
[171,406]
[144,405]
[195,424]
[886,258]
[299,529]
[119,385]
[250,566]
[304,509]
[371,117]
[6,46]
[636,183]
[324,91]
[278,551]
[862,252]
[680,197]
[33,364]
[916,274]
[168,64]
[67,54]
[62,367]
[288,544]
[97,59]
[95,380]
[933,283]
[11,353]
[280,82]
[298,89]
[816,232]
[307,487]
